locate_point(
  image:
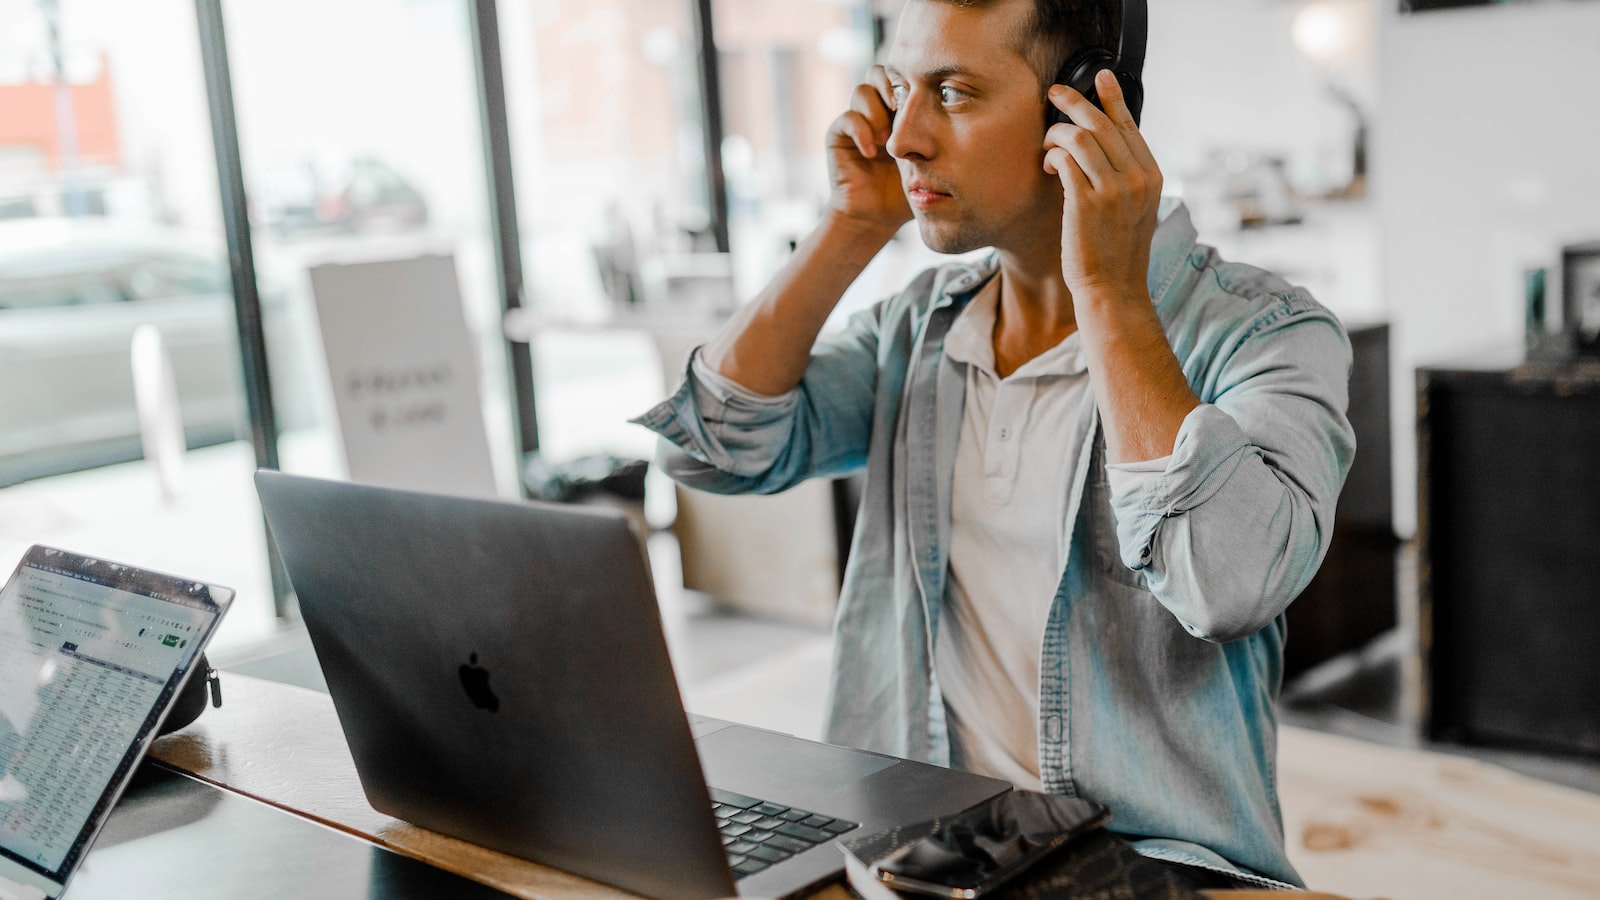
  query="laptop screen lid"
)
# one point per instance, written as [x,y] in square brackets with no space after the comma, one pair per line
[500,674]
[92,655]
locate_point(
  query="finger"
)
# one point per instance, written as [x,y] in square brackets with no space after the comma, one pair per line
[1083,113]
[878,77]
[866,101]
[1060,163]
[1084,148]
[1114,101]
[1086,116]
[856,128]
[1116,108]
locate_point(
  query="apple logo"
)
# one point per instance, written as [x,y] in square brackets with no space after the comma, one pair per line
[475,679]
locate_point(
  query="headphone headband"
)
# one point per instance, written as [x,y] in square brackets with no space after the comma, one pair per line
[1135,34]
[1127,63]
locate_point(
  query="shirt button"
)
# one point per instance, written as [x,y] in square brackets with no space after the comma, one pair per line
[1005,434]
[1052,728]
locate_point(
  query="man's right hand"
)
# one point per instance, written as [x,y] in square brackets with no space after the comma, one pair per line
[766,345]
[864,178]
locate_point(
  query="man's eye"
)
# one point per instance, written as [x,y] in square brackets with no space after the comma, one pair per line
[949,94]
[898,92]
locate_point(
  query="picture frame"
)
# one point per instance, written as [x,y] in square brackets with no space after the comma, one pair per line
[1580,296]
[1416,6]
[1422,6]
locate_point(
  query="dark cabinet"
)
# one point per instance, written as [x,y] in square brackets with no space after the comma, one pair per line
[1509,553]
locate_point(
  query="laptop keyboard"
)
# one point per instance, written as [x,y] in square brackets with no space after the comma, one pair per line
[757,834]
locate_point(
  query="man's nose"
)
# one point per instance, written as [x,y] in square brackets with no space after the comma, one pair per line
[909,137]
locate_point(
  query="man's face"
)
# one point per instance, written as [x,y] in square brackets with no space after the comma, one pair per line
[969,127]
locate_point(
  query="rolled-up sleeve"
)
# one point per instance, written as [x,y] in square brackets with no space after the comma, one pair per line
[719,436]
[1239,521]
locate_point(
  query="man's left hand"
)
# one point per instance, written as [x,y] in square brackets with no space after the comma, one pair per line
[1112,188]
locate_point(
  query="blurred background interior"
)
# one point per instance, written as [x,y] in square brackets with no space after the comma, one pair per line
[1421,170]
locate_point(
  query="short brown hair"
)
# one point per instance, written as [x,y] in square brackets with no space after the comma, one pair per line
[1057,29]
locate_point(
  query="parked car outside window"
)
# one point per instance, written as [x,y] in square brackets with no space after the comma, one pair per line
[72,293]
[357,196]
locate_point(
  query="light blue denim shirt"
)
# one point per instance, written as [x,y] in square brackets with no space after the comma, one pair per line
[1162,656]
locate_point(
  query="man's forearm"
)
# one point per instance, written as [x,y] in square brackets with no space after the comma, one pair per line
[1139,386]
[766,345]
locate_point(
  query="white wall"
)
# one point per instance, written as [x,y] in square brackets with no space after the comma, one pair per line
[1225,74]
[1490,150]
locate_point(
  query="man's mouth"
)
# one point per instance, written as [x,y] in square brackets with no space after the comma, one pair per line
[922,194]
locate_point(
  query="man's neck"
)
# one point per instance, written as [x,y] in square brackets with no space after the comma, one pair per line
[1034,310]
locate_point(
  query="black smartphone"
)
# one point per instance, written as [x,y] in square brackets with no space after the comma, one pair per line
[989,845]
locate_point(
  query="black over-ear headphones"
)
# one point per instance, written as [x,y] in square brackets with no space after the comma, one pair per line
[1127,63]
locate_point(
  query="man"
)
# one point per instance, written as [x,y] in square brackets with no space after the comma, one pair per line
[1099,464]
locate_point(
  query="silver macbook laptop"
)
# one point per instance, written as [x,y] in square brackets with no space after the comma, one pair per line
[500,673]
[92,655]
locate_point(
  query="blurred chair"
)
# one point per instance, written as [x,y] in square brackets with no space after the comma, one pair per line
[774,555]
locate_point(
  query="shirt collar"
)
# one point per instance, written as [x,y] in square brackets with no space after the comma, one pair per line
[971,341]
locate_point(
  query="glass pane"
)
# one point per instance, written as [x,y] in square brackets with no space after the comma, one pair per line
[787,70]
[623,279]
[603,97]
[361,141]
[109,228]
[603,101]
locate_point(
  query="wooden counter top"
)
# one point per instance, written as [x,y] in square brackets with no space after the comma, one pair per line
[1361,819]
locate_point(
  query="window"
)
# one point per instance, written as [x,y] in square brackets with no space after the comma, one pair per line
[112,229]
[363,144]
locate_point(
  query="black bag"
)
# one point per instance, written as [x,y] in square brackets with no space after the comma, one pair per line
[191,700]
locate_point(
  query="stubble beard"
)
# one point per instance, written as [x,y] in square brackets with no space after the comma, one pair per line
[951,237]
[962,231]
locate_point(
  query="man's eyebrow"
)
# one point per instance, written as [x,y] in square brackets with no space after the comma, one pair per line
[937,72]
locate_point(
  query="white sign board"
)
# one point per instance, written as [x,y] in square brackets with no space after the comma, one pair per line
[405,377]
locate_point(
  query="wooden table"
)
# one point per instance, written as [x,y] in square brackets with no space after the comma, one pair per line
[1361,819]
[282,745]
[172,837]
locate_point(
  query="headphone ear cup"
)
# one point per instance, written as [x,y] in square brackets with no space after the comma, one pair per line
[1132,93]
[1078,73]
